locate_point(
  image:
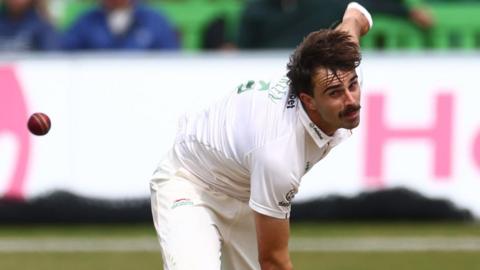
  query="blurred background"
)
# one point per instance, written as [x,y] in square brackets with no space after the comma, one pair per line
[114,76]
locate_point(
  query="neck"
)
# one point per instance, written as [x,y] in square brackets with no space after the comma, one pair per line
[319,122]
[16,14]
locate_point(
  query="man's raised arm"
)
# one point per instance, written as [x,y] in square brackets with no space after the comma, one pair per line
[356,21]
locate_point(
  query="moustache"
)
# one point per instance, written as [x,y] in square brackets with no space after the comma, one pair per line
[350,109]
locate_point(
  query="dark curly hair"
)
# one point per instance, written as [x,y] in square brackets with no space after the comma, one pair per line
[329,49]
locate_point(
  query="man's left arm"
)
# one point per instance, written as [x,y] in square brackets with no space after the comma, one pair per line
[272,240]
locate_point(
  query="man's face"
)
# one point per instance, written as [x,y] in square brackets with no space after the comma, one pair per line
[18,6]
[335,102]
[115,4]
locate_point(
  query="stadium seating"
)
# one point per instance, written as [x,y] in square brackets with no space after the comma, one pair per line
[190,16]
[457,24]
[193,16]
[392,34]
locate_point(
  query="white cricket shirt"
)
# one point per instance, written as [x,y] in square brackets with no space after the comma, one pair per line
[255,145]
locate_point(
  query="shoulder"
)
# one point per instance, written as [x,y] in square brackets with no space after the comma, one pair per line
[91,15]
[143,12]
[275,172]
[40,20]
[273,113]
[276,154]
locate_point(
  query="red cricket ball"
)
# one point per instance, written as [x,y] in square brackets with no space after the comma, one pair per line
[39,124]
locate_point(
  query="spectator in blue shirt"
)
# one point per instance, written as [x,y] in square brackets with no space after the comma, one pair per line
[121,25]
[24,26]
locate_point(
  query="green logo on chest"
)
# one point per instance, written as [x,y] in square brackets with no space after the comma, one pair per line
[252,85]
[275,93]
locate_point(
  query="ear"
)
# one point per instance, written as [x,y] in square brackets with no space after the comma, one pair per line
[308,101]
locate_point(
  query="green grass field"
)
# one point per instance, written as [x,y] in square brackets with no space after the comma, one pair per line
[468,259]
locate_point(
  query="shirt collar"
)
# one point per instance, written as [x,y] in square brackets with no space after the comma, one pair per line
[320,138]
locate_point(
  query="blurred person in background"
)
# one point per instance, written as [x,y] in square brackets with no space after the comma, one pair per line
[415,11]
[25,26]
[121,25]
[216,35]
[221,199]
[282,24]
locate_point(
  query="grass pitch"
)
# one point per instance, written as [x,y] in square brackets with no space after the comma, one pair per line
[308,260]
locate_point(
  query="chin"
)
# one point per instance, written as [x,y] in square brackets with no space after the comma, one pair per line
[352,125]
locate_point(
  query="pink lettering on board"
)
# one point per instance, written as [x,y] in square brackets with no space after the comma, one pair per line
[379,133]
[476,150]
[13,115]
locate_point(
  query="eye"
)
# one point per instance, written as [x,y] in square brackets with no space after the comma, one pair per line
[335,93]
[353,86]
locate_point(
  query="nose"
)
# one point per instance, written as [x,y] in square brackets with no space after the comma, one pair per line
[349,98]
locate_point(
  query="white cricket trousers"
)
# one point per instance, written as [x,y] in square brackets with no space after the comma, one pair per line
[199,228]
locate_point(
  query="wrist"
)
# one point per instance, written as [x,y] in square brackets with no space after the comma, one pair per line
[356,20]
[366,15]
[350,26]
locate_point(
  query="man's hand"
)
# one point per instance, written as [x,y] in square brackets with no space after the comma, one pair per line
[356,21]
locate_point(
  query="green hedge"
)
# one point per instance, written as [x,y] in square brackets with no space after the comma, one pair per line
[457,24]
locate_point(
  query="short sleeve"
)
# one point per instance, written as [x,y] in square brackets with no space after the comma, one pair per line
[274,182]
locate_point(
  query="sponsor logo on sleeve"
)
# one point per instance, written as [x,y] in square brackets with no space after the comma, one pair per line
[181,202]
[288,198]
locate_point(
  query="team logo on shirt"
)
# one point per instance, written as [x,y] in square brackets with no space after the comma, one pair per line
[245,86]
[288,198]
[275,93]
[252,85]
[279,90]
